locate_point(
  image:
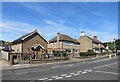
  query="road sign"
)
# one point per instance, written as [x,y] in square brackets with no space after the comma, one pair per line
[114,46]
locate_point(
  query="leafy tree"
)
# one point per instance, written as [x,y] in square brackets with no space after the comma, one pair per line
[8,43]
[117,43]
[109,44]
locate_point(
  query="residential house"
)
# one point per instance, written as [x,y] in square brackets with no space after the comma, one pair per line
[31,42]
[4,53]
[64,43]
[87,43]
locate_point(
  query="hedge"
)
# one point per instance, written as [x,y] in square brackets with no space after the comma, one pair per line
[88,53]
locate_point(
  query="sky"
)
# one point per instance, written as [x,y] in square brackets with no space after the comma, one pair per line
[70,18]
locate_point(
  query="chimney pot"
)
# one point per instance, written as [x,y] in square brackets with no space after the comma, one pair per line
[82,33]
[90,35]
[95,37]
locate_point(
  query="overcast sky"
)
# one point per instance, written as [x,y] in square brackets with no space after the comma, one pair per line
[70,18]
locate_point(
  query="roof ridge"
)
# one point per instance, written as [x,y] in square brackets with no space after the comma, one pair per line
[30,33]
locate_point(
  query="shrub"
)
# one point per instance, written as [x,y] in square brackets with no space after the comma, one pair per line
[88,53]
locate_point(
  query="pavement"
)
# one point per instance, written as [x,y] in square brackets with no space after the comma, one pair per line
[102,68]
[6,65]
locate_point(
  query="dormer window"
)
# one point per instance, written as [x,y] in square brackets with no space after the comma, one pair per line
[67,43]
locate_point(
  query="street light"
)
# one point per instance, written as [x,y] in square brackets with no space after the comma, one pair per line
[114,47]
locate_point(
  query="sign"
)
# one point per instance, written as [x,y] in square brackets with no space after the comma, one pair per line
[114,46]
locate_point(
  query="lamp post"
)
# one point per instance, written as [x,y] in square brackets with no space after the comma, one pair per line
[114,47]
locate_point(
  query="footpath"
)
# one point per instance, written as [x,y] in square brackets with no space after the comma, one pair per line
[5,66]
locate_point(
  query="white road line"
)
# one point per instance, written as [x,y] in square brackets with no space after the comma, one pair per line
[98,67]
[59,78]
[55,76]
[43,79]
[107,72]
[70,65]
[56,66]
[64,75]
[68,76]
[83,72]
[50,79]
[83,62]
[22,73]
[79,71]
[89,70]
[76,74]
[72,73]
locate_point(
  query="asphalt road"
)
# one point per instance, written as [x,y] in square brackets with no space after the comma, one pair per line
[96,69]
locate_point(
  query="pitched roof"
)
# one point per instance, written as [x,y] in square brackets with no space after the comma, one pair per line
[94,40]
[63,38]
[26,36]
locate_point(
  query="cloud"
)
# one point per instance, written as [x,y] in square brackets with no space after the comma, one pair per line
[50,22]
[14,29]
[96,13]
[110,38]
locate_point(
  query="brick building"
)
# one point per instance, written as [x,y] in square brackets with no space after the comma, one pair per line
[30,42]
[62,43]
[87,43]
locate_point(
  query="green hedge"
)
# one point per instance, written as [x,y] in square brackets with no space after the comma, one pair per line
[88,53]
[58,53]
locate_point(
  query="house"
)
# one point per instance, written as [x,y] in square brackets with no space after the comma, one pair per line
[87,43]
[4,50]
[31,42]
[64,43]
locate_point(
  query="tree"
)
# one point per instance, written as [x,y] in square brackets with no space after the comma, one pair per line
[8,43]
[109,44]
[105,44]
[117,43]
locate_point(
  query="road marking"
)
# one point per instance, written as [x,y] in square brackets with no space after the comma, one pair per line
[64,75]
[49,79]
[89,70]
[68,76]
[54,76]
[83,72]
[79,71]
[56,66]
[76,74]
[107,72]
[43,79]
[22,73]
[84,62]
[59,78]
[70,65]
[72,73]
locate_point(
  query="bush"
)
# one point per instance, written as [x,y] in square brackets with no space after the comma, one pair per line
[88,53]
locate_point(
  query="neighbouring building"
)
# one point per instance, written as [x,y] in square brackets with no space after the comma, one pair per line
[64,43]
[31,42]
[87,43]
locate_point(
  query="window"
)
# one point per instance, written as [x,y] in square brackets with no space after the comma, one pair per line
[76,51]
[67,43]
[76,44]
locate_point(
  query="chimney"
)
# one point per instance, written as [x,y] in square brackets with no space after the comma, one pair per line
[90,35]
[58,38]
[82,33]
[95,37]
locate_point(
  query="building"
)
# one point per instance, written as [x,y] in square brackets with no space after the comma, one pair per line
[31,42]
[64,43]
[87,43]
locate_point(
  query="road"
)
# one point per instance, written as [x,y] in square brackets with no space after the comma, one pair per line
[95,69]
